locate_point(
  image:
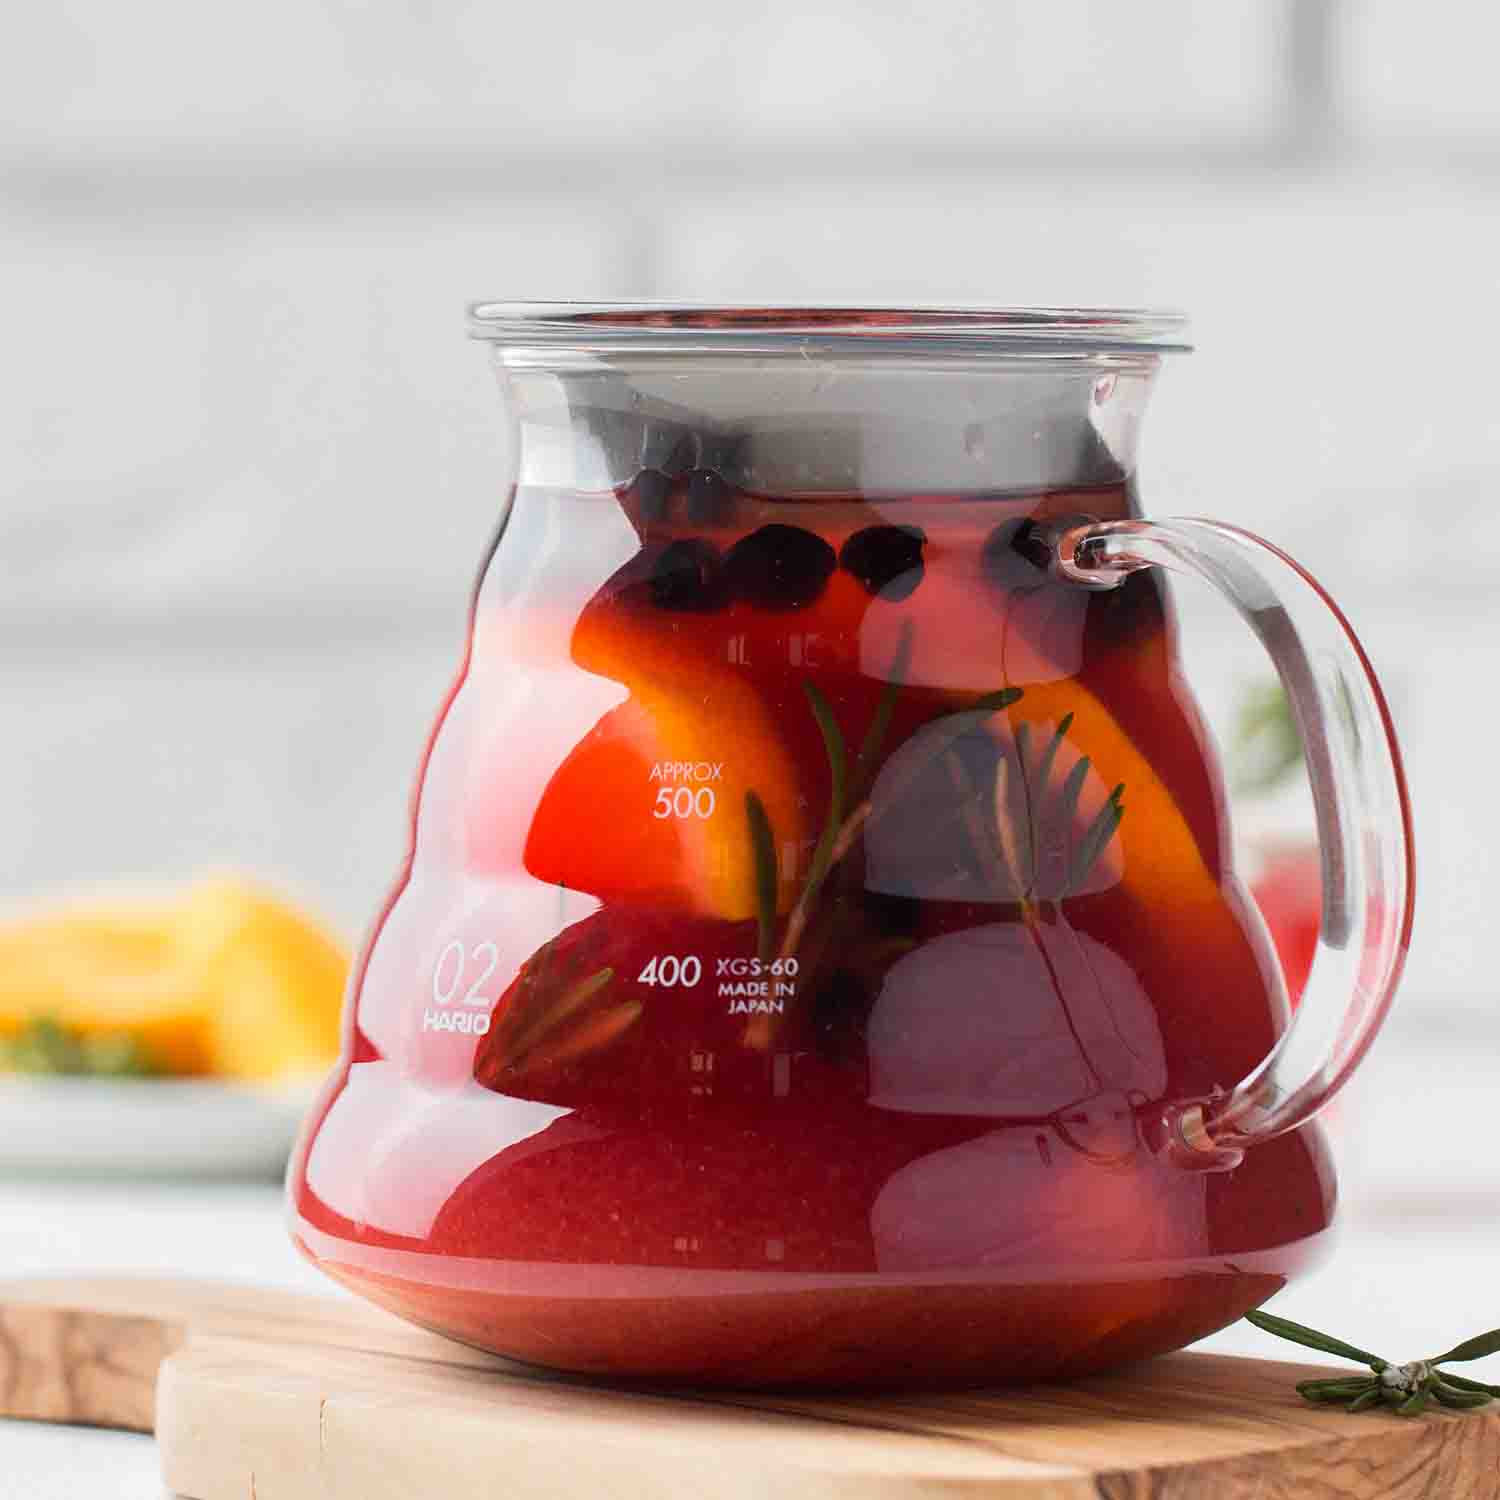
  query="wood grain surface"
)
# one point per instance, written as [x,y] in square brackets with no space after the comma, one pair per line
[283,1397]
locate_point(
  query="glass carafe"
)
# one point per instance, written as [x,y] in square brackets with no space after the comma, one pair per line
[819,959]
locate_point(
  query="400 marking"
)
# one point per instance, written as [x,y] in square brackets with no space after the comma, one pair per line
[668,970]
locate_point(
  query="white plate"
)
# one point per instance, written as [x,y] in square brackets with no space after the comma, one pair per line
[150,1126]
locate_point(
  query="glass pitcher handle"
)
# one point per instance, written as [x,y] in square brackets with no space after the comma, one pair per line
[1363,818]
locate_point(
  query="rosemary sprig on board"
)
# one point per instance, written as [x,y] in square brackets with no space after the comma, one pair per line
[1408,1389]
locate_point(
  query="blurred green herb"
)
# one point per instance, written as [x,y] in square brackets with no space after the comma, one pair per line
[1408,1388]
[1265,750]
[43,1047]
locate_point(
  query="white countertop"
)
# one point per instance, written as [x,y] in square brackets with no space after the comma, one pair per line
[1413,1271]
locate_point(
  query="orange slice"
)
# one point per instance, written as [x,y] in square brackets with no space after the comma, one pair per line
[105,969]
[222,978]
[651,804]
[276,977]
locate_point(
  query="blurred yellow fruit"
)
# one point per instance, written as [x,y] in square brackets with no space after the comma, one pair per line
[221,978]
[277,977]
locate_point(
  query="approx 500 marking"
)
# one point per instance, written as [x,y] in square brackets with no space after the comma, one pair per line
[684,802]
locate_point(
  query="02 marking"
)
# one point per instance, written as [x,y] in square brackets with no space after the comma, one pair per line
[446,993]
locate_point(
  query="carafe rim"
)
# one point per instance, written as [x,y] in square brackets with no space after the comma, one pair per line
[640,327]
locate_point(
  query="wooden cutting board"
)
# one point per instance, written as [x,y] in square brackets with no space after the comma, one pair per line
[283,1397]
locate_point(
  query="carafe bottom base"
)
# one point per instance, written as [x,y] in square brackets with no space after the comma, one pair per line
[865,1337]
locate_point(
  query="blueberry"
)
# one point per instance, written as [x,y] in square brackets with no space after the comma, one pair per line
[649,490]
[886,559]
[708,497]
[780,567]
[689,575]
[1016,555]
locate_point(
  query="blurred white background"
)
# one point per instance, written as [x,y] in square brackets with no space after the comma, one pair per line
[251,463]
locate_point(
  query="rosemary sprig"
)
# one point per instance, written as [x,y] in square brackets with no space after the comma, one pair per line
[988,842]
[849,807]
[839,831]
[1013,873]
[1409,1389]
[763,849]
[838,771]
[523,1028]
[1049,755]
[1022,840]
[555,1012]
[1096,837]
[1029,844]
[1072,790]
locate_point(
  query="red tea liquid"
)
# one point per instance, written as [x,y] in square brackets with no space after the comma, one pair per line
[810,902]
